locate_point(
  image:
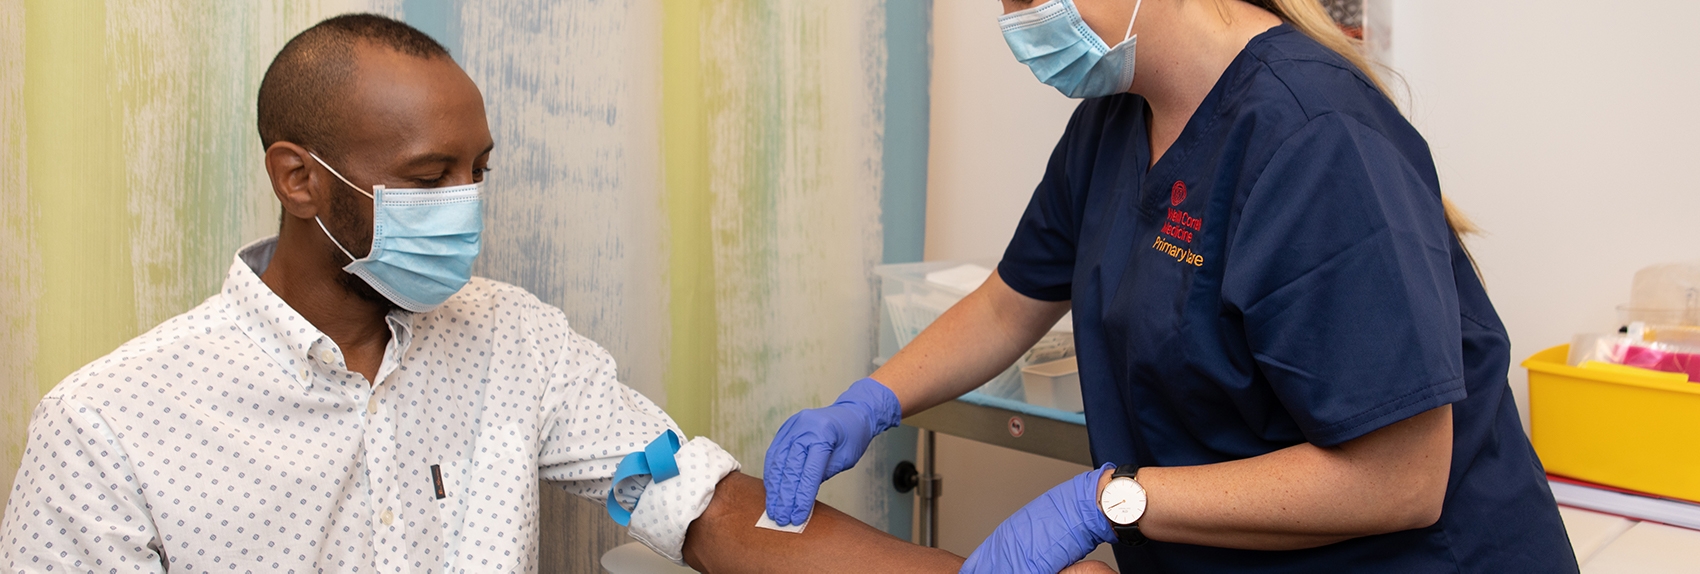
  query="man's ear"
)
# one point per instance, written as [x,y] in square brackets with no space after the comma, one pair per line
[293,181]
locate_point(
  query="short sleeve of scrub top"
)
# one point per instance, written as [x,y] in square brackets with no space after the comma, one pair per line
[1340,267]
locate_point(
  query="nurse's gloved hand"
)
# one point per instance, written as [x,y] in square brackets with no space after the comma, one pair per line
[1051,533]
[818,443]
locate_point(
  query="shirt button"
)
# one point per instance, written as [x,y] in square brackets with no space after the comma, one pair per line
[388,517]
[327,357]
[303,374]
[372,406]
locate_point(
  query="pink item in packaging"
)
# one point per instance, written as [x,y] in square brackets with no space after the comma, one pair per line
[1663,360]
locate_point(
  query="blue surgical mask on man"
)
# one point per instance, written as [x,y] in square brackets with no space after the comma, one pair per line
[423,242]
[1063,52]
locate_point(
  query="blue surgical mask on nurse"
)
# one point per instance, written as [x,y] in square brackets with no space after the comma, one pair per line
[1053,40]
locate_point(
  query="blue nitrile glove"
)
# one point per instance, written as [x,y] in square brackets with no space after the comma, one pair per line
[1049,534]
[816,444]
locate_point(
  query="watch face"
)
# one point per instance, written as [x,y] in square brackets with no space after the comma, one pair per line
[1123,501]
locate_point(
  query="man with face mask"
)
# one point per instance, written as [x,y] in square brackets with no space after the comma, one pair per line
[354,400]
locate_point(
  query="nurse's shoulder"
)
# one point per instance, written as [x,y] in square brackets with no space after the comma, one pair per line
[1299,79]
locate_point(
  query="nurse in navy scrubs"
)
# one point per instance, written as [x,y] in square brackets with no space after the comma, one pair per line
[1288,361]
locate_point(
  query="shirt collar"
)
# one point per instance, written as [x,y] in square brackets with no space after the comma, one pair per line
[280,332]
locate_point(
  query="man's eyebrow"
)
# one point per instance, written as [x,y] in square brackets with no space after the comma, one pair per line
[439,157]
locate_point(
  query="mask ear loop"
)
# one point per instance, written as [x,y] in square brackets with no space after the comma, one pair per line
[338,244]
[373,197]
[1125,36]
[321,223]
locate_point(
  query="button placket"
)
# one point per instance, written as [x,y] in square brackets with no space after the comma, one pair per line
[383,475]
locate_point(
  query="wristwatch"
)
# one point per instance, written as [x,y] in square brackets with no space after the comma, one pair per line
[1123,501]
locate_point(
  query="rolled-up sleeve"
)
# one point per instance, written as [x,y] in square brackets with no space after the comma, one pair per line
[595,421]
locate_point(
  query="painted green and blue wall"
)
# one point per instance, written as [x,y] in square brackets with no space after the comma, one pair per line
[704,187]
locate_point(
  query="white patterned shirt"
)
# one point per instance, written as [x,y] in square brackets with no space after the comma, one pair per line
[233,438]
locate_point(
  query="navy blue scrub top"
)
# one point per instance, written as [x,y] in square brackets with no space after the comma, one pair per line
[1284,274]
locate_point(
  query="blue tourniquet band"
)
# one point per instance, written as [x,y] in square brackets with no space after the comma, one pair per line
[656,460]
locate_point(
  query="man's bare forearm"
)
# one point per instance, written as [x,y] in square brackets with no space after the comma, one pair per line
[725,539]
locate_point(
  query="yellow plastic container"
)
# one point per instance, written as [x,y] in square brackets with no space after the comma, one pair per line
[1619,426]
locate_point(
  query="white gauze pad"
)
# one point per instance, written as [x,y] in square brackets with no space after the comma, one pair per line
[768,523]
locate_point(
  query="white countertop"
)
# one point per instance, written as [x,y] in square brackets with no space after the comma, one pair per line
[1607,544]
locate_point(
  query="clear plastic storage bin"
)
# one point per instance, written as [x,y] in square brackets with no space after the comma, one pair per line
[1055,384]
[909,302]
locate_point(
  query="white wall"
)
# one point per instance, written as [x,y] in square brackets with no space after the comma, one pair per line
[992,127]
[1565,128]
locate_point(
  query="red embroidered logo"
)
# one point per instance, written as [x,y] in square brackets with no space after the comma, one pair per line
[1180,226]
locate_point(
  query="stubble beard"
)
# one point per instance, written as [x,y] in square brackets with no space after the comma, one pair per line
[345,224]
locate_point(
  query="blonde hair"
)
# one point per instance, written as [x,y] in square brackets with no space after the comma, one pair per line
[1310,17]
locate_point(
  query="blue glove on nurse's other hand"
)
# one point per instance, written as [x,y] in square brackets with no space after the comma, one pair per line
[818,443]
[1049,534]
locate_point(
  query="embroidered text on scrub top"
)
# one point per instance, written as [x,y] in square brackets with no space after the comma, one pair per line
[1179,226]
[234,438]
